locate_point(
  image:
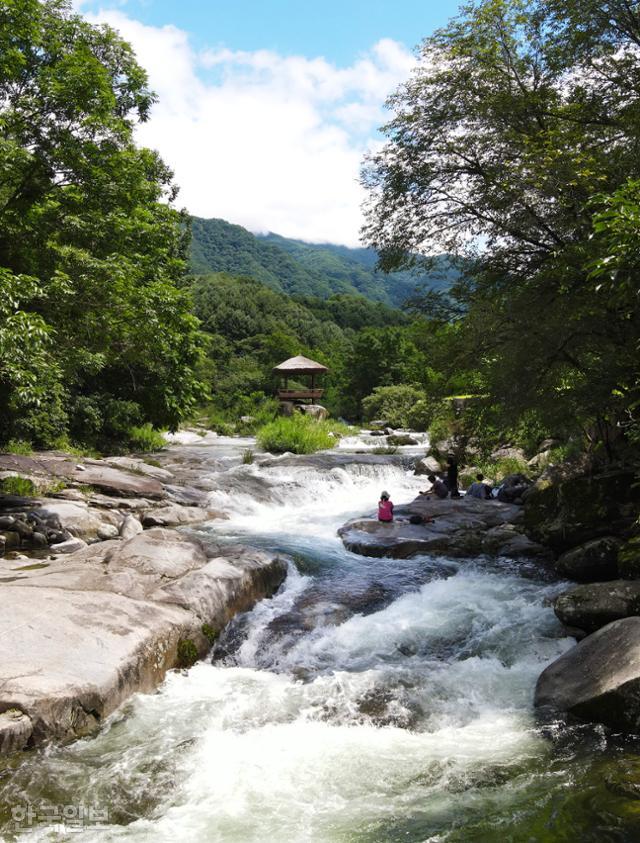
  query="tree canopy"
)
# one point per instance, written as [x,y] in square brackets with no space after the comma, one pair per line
[95,333]
[519,121]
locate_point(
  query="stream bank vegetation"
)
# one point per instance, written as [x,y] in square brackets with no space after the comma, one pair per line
[299,434]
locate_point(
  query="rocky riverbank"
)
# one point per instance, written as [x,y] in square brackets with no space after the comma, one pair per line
[109,598]
[585,528]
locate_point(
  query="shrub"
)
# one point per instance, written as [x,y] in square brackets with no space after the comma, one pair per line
[394,404]
[247,457]
[187,653]
[22,487]
[209,633]
[499,469]
[18,446]
[146,438]
[299,434]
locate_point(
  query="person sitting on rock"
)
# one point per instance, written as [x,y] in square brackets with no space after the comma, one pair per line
[438,487]
[385,508]
[479,489]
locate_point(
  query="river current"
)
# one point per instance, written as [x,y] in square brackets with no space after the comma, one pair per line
[370,700]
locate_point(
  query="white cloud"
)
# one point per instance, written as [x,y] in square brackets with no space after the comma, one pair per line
[270,142]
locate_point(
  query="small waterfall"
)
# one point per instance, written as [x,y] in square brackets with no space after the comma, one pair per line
[370,700]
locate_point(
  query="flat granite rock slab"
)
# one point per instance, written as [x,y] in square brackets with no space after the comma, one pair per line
[115,481]
[81,634]
[69,658]
[457,527]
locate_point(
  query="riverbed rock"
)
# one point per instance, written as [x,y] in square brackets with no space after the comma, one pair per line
[426,466]
[176,515]
[316,411]
[459,527]
[401,439]
[571,512]
[96,473]
[592,606]
[598,679]
[130,527]
[594,561]
[107,531]
[138,466]
[15,731]
[69,546]
[80,635]
[75,516]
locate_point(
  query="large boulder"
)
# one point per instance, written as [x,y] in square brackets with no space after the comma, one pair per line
[629,557]
[598,679]
[509,452]
[81,634]
[594,561]
[456,527]
[316,411]
[426,466]
[574,511]
[592,606]
[401,439]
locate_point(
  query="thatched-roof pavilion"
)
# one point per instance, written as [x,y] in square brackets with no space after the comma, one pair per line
[294,368]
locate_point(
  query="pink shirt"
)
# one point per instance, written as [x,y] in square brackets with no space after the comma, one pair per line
[385,511]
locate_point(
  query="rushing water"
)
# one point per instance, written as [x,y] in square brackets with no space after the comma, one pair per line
[370,700]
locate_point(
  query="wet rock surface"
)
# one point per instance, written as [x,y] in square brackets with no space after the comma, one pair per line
[594,561]
[598,680]
[590,607]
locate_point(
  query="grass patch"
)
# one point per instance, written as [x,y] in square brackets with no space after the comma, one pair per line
[18,446]
[299,434]
[154,463]
[64,444]
[248,457]
[22,487]
[146,438]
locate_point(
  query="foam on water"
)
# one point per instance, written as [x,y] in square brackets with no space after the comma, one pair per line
[347,728]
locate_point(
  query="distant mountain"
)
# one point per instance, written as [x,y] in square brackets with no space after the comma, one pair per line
[305,269]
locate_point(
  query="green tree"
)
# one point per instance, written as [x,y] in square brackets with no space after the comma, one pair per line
[517,116]
[88,233]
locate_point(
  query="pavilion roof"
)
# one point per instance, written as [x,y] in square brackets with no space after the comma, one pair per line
[300,366]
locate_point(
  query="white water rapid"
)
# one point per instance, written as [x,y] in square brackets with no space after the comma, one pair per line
[369,700]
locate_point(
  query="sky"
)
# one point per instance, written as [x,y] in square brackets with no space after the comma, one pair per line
[267,107]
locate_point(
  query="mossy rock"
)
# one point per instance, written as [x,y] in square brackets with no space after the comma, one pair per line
[629,558]
[581,508]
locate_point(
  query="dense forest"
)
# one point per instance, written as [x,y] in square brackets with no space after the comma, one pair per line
[313,269]
[512,150]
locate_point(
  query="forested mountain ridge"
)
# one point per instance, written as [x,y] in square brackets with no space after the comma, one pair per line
[305,269]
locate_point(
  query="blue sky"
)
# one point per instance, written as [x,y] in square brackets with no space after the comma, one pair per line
[335,29]
[267,107]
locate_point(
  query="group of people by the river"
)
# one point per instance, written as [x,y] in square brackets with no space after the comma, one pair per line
[443,486]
